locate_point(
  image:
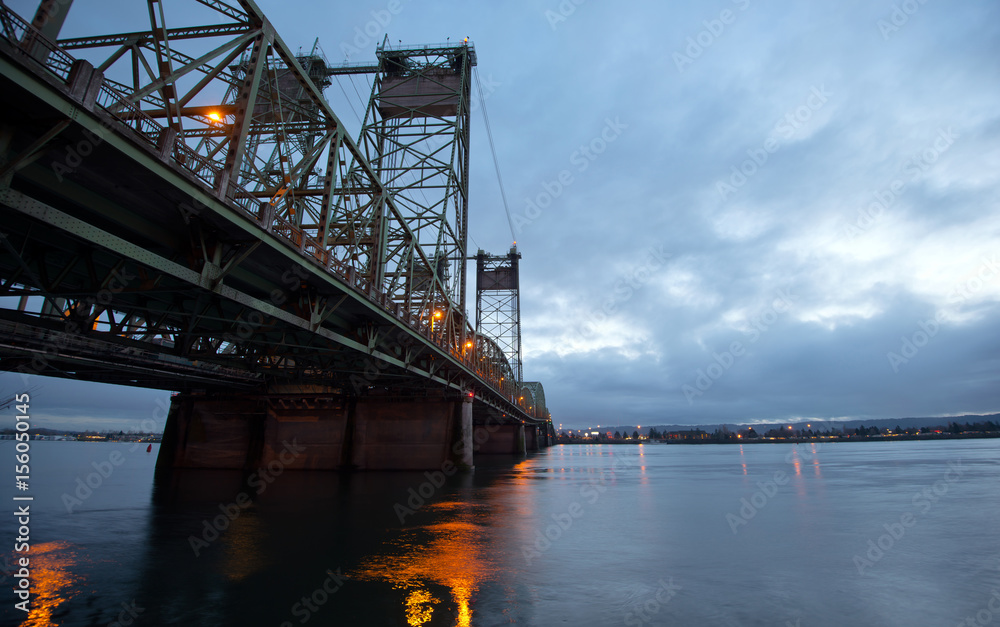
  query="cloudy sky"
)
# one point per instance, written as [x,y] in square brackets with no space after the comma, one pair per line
[728,211]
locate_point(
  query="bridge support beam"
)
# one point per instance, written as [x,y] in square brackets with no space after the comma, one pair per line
[317,431]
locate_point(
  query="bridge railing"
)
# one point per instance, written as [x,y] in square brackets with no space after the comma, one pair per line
[35,45]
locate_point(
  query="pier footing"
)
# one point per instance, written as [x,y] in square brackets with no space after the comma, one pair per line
[317,431]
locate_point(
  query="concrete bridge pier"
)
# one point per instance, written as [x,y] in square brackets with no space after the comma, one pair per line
[314,429]
[543,436]
[497,439]
[531,438]
[464,436]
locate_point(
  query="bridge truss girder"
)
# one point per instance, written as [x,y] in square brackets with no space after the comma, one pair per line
[233,105]
[211,192]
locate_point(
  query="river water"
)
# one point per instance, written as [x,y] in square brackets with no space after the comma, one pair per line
[893,533]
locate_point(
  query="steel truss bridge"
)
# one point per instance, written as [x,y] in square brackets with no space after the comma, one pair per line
[183,210]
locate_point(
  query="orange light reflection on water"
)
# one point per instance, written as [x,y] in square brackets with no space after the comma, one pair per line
[448,553]
[800,486]
[815,460]
[52,579]
[242,553]
[419,607]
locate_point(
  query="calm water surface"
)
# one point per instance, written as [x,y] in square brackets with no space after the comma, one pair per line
[902,533]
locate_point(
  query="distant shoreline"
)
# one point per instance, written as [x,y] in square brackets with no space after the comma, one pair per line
[873,438]
[8,435]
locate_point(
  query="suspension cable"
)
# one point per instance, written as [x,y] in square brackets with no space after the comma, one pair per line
[496,162]
[348,100]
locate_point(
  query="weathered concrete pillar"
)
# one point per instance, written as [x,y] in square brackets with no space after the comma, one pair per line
[497,439]
[317,430]
[464,447]
[410,434]
[531,438]
[231,432]
[206,432]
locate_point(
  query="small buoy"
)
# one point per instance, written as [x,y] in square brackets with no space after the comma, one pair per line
[149,448]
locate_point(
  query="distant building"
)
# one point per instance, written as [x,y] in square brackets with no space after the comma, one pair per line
[690,434]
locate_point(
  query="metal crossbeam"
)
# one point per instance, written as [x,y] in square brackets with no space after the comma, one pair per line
[175,34]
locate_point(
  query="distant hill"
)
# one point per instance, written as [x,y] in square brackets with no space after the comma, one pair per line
[45,431]
[761,427]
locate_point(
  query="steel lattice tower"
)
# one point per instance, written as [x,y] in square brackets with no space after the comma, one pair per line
[416,136]
[498,304]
